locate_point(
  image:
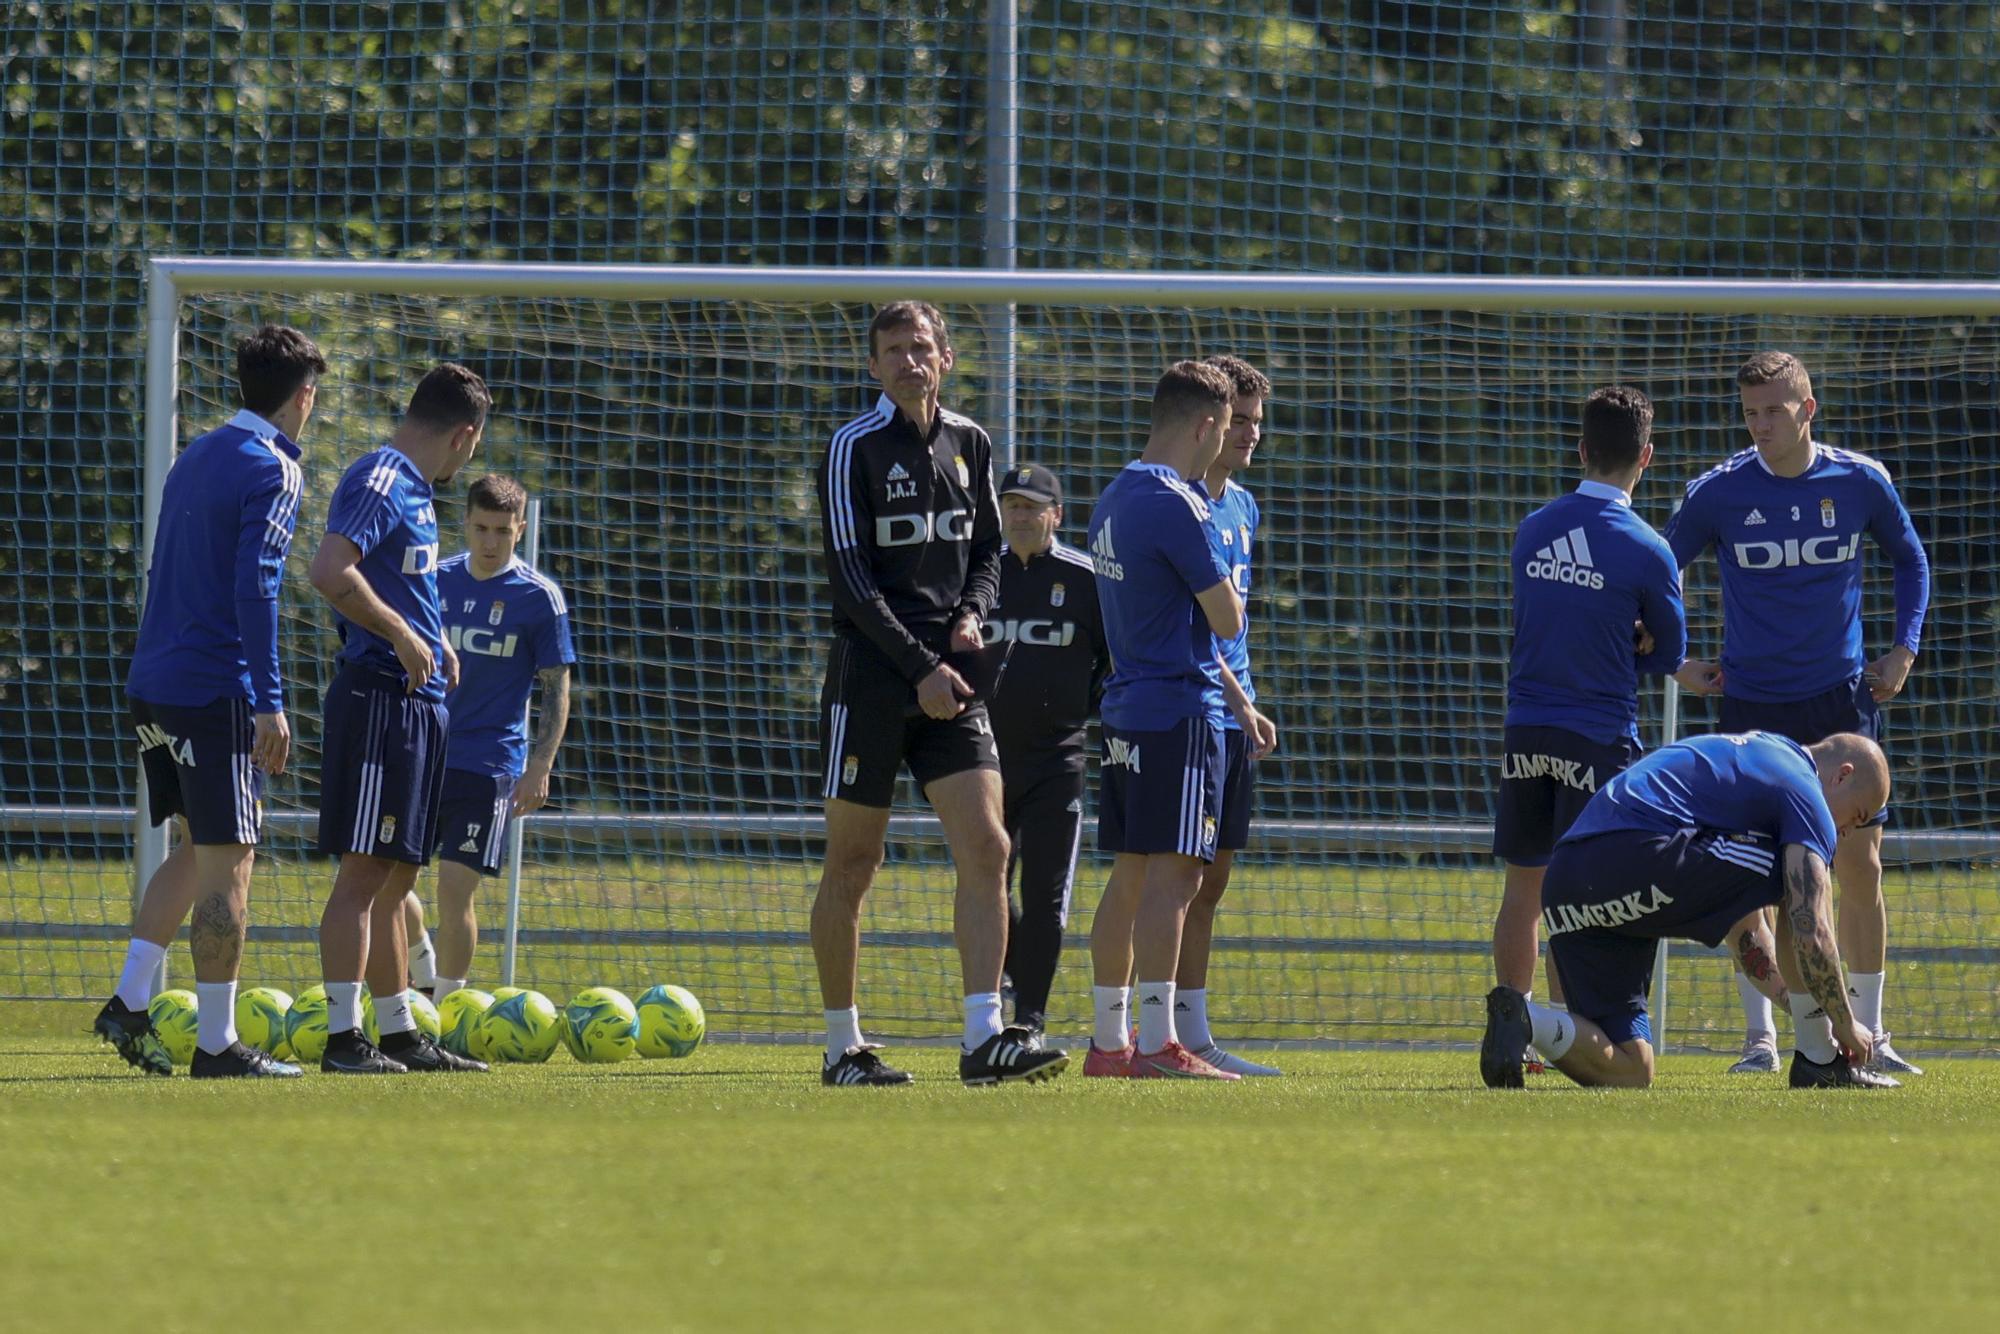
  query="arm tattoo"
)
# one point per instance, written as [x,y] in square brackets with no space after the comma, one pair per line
[1819,957]
[555,714]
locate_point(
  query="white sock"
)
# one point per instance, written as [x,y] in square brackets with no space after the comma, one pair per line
[343,1007]
[843,1030]
[1864,994]
[1758,1021]
[1551,1030]
[1191,1019]
[1812,1030]
[423,962]
[444,986]
[392,1014]
[142,965]
[982,1018]
[1156,1015]
[1114,1017]
[215,1016]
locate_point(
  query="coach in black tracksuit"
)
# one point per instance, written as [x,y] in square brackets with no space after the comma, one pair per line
[1046,623]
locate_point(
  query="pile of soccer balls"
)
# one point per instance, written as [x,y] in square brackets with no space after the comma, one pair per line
[599,1025]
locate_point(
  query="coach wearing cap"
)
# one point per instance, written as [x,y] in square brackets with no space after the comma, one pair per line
[1046,630]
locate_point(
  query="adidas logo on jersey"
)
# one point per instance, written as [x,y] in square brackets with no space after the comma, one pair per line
[897,473]
[1104,556]
[1754,518]
[1567,561]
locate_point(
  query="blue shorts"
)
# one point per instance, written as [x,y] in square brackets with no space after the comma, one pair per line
[473,814]
[1848,707]
[1608,900]
[1547,776]
[383,768]
[1161,791]
[1239,784]
[197,763]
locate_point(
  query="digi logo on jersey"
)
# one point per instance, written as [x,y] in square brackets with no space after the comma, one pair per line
[1041,634]
[913,530]
[478,639]
[420,560]
[1792,552]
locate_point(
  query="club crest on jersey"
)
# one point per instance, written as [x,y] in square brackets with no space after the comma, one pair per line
[1056,595]
[850,769]
[964,473]
[494,614]
[1243,530]
[1207,830]
[1826,513]
[386,833]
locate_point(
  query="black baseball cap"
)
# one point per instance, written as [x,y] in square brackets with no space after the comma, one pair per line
[1033,481]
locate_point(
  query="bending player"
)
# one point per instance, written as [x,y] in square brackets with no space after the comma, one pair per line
[1785,518]
[1686,844]
[208,698]
[510,627]
[1166,595]
[385,717]
[1586,570]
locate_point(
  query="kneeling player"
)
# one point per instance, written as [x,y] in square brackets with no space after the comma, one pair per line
[1687,844]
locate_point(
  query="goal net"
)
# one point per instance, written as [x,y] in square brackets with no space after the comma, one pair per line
[672,441]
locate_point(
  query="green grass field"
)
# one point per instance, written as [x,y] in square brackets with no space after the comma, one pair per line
[729,1192]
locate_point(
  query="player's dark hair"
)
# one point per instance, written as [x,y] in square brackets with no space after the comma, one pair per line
[1766,367]
[1245,380]
[448,397]
[273,364]
[1617,423]
[1190,389]
[898,314]
[497,495]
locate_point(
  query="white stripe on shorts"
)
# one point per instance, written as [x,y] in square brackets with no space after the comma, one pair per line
[368,797]
[499,820]
[836,740]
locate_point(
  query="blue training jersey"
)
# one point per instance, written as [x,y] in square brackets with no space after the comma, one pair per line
[209,630]
[1235,518]
[1585,568]
[1756,783]
[506,629]
[1790,553]
[383,506]
[1153,549]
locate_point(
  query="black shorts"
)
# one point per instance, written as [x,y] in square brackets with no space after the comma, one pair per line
[474,811]
[197,764]
[383,770]
[1239,785]
[1848,707]
[1161,791]
[1547,776]
[1608,901]
[870,727]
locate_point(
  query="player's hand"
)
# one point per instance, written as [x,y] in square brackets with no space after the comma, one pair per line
[450,667]
[1854,1040]
[1261,732]
[531,792]
[965,636]
[1642,639]
[1700,678]
[271,742]
[1885,676]
[415,655]
[943,693]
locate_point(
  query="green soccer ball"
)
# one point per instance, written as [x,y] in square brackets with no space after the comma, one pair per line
[174,1019]
[600,1026]
[305,1023]
[524,1027]
[458,1020]
[260,1019]
[507,993]
[426,1015]
[671,1022]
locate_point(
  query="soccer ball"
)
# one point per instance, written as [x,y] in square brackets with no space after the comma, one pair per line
[507,993]
[600,1026]
[670,1022]
[174,1019]
[260,1019]
[524,1027]
[305,1022]
[458,1020]
[425,1014]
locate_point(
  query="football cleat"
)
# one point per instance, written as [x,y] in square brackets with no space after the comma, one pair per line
[238,1061]
[1232,1064]
[131,1032]
[1883,1060]
[1760,1056]
[1013,1055]
[1835,1074]
[1174,1061]
[422,1055]
[1101,1064]
[861,1066]
[351,1053]
[1507,1034]
[1533,1062]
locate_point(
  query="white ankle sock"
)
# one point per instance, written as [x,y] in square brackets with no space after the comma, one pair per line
[392,1014]
[1864,995]
[444,986]
[142,965]
[1114,1017]
[843,1030]
[343,1007]
[423,962]
[1758,1020]
[1156,1015]
[1551,1030]
[215,1016]
[1812,1030]
[1191,1019]
[982,1018]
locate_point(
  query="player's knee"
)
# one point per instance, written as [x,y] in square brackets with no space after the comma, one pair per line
[984,850]
[849,871]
